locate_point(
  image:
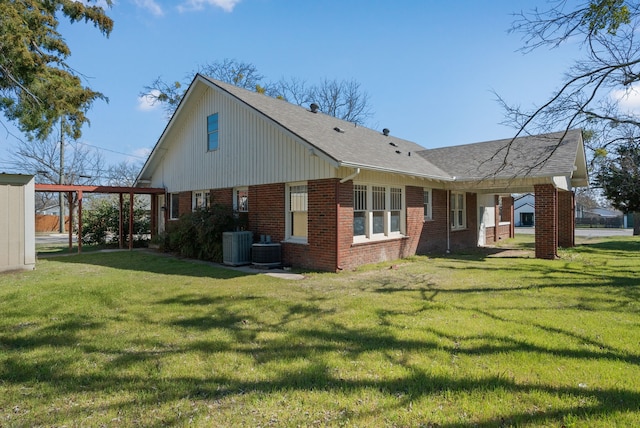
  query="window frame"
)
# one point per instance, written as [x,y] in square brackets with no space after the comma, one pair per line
[360,207]
[458,220]
[290,213]
[427,201]
[213,132]
[237,205]
[174,206]
[387,206]
[202,201]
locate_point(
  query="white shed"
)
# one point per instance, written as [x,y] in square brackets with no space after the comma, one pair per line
[17,222]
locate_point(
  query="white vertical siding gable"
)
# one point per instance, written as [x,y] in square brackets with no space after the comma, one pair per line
[252,149]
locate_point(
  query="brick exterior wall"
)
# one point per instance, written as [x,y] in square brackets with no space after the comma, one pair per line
[267,211]
[321,251]
[546,214]
[566,219]
[489,235]
[467,238]
[433,236]
[502,231]
[184,203]
[222,197]
[330,244]
[352,255]
[345,224]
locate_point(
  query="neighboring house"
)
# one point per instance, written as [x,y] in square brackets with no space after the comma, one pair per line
[17,222]
[336,195]
[600,217]
[524,210]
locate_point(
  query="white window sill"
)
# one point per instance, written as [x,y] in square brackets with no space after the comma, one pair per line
[377,238]
[295,240]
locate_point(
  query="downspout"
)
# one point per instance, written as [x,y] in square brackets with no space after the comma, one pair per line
[448,221]
[338,265]
[342,181]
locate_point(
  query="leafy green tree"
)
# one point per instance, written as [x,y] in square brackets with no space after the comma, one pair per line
[619,177]
[37,86]
[100,224]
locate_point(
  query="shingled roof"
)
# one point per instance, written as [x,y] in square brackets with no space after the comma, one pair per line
[345,144]
[545,155]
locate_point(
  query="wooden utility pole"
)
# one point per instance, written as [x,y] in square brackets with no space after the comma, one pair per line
[61,176]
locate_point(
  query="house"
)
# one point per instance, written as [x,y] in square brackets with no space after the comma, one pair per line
[336,195]
[17,222]
[524,209]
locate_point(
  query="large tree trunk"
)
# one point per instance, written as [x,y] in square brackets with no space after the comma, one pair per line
[636,223]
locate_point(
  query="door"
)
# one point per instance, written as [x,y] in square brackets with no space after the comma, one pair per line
[482,228]
[161,213]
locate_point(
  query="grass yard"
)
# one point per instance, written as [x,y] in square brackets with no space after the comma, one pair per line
[138,339]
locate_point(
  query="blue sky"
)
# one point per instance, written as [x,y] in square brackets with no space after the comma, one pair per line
[430,67]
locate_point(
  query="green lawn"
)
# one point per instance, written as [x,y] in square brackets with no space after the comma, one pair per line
[139,339]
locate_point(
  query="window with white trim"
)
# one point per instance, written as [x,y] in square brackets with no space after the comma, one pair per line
[298,206]
[200,199]
[377,212]
[359,210]
[212,132]
[458,210]
[395,208]
[378,199]
[428,204]
[174,206]
[241,199]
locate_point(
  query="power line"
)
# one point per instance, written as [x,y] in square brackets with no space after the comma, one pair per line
[112,151]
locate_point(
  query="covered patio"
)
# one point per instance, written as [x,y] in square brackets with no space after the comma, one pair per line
[548,165]
[79,191]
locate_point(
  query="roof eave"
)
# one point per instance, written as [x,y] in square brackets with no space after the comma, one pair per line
[393,171]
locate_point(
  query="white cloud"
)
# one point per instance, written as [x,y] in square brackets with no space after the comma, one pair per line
[226,5]
[146,102]
[141,153]
[151,6]
[628,99]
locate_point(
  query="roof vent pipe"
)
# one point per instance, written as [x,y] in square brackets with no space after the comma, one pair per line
[314,107]
[385,132]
